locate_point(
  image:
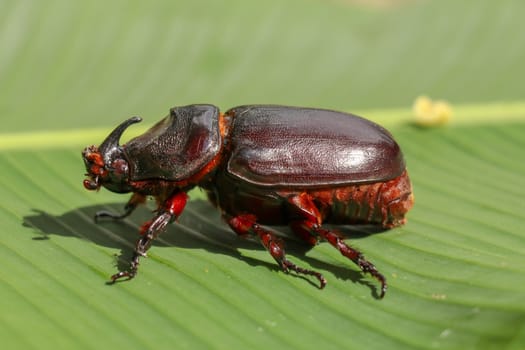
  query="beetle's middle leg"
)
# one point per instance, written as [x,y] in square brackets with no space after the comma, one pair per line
[310,229]
[247,224]
[168,212]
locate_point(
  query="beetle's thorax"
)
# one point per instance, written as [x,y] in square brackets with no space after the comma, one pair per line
[204,176]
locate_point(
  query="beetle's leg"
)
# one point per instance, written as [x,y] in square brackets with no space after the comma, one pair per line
[246,224]
[311,225]
[168,212]
[133,202]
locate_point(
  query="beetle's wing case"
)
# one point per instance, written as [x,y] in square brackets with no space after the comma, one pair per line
[305,147]
[176,147]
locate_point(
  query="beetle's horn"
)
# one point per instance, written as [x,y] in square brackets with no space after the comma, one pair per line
[112,141]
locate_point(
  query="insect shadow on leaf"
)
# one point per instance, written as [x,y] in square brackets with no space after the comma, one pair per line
[200,227]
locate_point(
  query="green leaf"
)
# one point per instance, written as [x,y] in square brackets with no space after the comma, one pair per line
[71,70]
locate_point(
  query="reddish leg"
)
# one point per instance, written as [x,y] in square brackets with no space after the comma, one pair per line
[167,213]
[246,224]
[310,229]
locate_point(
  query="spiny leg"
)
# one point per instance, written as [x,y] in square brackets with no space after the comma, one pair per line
[132,204]
[353,254]
[247,224]
[167,213]
[310,229]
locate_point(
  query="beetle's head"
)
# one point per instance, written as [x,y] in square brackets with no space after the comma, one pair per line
[106,165]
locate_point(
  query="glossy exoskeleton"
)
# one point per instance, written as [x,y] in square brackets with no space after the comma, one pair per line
[260,165]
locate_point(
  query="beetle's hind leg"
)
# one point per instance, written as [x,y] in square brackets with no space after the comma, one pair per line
[310,229]
[132,204]
[247,224]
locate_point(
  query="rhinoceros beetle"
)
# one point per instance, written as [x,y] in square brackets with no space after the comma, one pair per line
[260,165]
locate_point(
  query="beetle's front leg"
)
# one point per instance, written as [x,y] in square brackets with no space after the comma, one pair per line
[132,204]
[168,212]
[246,224]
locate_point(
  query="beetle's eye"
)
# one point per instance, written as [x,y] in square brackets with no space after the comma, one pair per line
[118,173]
[116,176]
[120,167]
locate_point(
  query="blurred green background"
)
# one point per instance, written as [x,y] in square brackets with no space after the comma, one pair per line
[71,70]
[66,64]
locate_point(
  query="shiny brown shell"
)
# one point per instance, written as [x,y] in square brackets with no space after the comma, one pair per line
[282,146]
